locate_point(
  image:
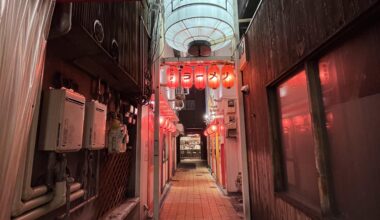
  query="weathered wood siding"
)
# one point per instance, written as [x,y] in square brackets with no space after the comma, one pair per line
[121,23]
[280,36]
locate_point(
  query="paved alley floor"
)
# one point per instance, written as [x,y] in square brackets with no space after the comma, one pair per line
[194,195]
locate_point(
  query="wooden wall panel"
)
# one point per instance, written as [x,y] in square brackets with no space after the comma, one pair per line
[121,22]
[281,35]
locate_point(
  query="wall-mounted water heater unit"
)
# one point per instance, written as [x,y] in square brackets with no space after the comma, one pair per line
[95,126]
[62,121]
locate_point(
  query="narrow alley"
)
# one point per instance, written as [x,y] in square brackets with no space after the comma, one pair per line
[189,109]
[195,195]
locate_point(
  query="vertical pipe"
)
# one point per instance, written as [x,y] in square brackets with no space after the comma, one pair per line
[156,151]
[217,167]
[139,153]
[156,154]
[241,120]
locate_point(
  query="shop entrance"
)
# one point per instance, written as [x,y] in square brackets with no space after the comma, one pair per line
[190,147]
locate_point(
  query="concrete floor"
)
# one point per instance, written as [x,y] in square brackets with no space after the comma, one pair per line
[194,195]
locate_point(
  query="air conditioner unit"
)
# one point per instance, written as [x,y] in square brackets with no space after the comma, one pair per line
[95,126]
[62,121]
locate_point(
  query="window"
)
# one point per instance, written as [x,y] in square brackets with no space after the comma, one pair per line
[331,121]
[189,105]
[350,79]
[297,148]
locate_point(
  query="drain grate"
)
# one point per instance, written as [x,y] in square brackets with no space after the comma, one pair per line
[213,187]
[198,175]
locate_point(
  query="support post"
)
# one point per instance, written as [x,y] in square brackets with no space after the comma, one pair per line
[241,120]
[156,154]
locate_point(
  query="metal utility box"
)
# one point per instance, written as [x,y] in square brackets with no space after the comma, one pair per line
[95,126]
[61,127]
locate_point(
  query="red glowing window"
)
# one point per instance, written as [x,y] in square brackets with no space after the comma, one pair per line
[297,141]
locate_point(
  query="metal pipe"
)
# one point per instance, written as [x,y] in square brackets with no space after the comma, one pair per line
[97,174]
[59,200]
[245,20]
[26,197]
[156,156]
[34,203]
[29,192]
[75,187]
[52,160]
[78,207]
[76,195]
[37,202]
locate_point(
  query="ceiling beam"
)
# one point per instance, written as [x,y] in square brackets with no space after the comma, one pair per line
[197,60]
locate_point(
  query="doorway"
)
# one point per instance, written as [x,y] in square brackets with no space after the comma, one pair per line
[190,147]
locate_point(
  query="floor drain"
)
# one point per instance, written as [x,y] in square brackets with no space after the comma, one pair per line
[213,187]
[198,175]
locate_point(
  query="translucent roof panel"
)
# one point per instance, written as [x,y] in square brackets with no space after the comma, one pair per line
[190,20]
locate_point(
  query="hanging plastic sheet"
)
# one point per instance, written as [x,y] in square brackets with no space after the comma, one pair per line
[24,27]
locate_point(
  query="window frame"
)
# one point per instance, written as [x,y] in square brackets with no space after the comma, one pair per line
[320,137]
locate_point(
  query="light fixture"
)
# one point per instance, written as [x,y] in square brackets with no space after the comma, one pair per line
[200,77]
[189,21]
[213,77]
[187,77]
[172,78]
[228,76]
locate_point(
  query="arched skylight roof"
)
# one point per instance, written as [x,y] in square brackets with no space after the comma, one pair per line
[193,20]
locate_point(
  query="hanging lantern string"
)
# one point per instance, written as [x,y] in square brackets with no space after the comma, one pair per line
[200,76]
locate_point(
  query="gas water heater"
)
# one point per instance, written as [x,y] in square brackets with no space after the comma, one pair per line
[95,126]
[61,127]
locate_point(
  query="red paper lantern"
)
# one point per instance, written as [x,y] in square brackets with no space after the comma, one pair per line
[214,128]
[200,77]
[209,132]
[187,77]
[286,124]
[166,124]
[228,76]
[213,77]
[222,128]
[172,77]
[162,121]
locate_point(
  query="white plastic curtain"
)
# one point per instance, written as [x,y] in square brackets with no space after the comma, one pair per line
[24,26]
